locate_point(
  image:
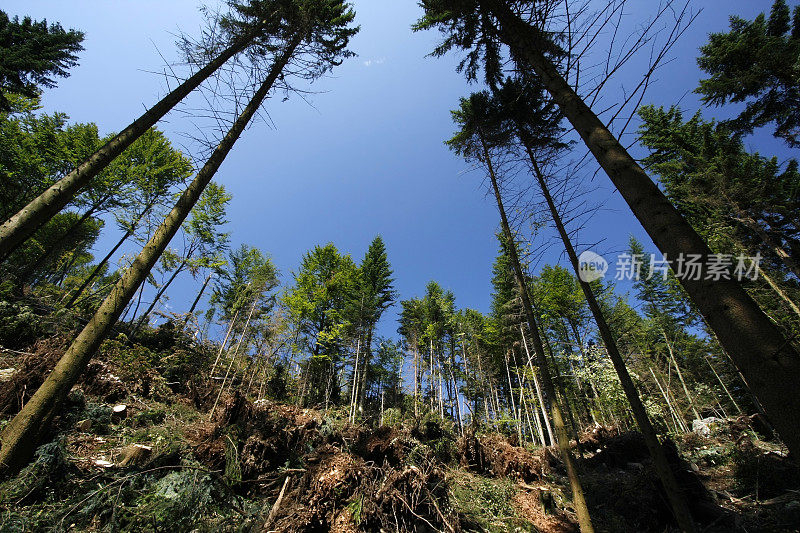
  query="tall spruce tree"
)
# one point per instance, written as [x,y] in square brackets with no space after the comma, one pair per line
[323,26]
[762,353]
[477,137]
[376,294]
[32,54]
[755,63]
[531,117]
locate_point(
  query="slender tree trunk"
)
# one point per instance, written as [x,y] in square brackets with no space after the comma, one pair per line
[355,381]
[20,435]
[511,395]
[58,246]
[680,375]
[96,271]
[597,399]
[578,499]
[224,343]
[62,276]
[233,358]
[770,363]
[538,390]
[674,492]
[129,305]
[780,292]
[522,399]
[486,398]
[161,291]
[200,294]
[365,367]
[458,400]
[416,378]
[736,405]
[22,225]
[675,415]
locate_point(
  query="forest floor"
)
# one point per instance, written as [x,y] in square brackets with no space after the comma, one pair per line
[165,463]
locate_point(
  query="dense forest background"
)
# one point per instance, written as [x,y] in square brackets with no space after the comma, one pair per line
[254,247]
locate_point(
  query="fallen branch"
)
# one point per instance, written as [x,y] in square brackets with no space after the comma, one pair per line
[276,506]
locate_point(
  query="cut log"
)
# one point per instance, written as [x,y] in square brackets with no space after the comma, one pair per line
[135,454]
[119,412]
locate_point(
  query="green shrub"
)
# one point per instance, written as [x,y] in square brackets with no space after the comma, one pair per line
[32,483]
[19,325]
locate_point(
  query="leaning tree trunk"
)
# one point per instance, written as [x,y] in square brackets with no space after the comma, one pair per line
[61,242]
[578,499]
[200,294]
[21,226]
[769,362]
[96,271]
[143,319]
[21,434]
[673,490]
[107,258]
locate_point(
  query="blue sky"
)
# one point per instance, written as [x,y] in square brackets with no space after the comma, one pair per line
[367,158]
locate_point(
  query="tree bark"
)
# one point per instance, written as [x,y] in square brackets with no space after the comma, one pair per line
[41,209]
[161,291]
[20,435]
[770,363]
[96,271]
[674,492]
[578,499]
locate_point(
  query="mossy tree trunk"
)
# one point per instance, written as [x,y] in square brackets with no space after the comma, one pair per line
[562,439]
[21,226]
[674,493]
[768,361]
[22,433]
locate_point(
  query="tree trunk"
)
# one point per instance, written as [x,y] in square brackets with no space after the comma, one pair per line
[355,382]
[41,209]
[200,294]
[679,422]
[673,490]
[680,375]
[96,271]
[233,358]
[58,246]
[20,435]
[365,367]
[770,363]
[107,258]
[578,499]
[780,292]
[160,293]
[511,395]
[538,391]
[714,370]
